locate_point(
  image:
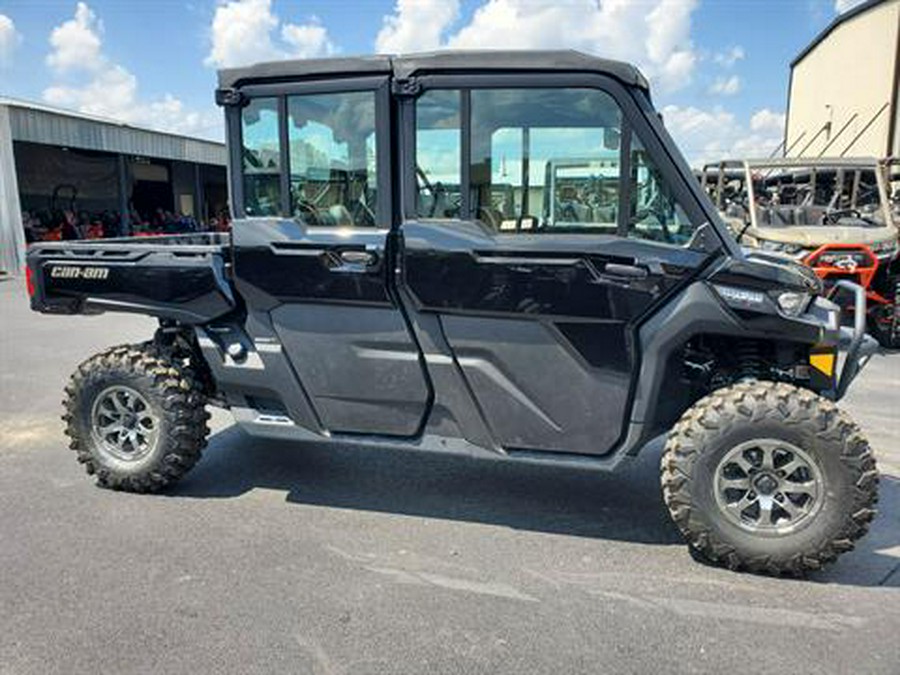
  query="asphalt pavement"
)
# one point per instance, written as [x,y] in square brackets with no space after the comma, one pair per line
[300,558]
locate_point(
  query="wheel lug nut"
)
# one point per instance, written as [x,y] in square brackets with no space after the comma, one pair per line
[751,495]
[779,497]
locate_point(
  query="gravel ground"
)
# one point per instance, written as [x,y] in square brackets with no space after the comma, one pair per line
[351,560]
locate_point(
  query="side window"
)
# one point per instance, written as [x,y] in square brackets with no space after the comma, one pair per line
[655,213]
[546,160]
[438,155]
[261,157]
[333,169]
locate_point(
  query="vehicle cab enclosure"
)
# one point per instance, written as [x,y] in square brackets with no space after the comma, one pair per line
[497,252]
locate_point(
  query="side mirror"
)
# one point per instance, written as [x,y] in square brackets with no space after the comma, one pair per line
[230,98]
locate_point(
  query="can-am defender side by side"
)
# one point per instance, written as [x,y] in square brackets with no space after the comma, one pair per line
[833,214]
[396,275]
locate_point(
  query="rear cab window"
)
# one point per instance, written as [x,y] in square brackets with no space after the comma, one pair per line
[311,157]
[261,157]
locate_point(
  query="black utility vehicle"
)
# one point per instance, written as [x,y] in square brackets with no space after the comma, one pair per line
[395,274]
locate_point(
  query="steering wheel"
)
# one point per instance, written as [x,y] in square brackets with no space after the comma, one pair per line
[362,214]
[428,185]
[832,217]
[306,211]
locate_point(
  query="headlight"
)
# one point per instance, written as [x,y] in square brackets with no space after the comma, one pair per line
[793,303]
[741,298]
[780,247]
[789,303]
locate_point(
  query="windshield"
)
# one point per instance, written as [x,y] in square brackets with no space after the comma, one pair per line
[817,196]
[802,196]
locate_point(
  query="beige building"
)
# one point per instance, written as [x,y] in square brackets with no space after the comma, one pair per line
[843,92]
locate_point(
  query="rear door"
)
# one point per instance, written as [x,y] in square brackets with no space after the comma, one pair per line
[311,251]
[542,226]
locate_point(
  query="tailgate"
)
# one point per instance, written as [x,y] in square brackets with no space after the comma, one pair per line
[186,282]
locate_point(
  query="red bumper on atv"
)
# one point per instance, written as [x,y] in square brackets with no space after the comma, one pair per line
[857,263]
[848,262]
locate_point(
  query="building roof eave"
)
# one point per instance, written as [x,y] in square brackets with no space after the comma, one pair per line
[838,21]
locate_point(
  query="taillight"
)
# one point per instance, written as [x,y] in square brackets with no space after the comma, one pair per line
[29,282]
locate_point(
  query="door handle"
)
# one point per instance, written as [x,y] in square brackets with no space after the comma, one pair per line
[363,258]
[624,271]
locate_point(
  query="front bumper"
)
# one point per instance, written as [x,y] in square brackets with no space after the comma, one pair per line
[853,343]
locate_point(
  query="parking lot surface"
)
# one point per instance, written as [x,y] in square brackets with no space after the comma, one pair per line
[348,560]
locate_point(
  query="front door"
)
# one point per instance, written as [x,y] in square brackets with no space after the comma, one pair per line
[312,255]
[542,229]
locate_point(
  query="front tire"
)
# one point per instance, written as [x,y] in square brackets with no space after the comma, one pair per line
[135,418]
[769,478]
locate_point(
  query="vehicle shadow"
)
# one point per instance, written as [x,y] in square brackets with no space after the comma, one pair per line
[622,506]
[626,505]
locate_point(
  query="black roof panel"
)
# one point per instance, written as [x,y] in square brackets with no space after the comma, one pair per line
[433,62]
[283,70]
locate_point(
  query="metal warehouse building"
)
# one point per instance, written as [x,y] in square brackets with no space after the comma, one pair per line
[843,98]
[56,161]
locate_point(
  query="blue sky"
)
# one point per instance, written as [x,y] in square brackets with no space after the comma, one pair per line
[719,68]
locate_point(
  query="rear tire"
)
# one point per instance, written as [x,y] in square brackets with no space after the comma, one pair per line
[769,478]
[135,418]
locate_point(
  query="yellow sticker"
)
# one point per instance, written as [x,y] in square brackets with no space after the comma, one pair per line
[823,362]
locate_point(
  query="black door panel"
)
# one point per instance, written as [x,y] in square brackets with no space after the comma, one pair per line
[542,325]
[287,260]
[459,267]
[358,364]
[327,294]
[535,390]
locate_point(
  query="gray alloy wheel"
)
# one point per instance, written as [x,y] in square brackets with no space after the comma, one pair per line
[768,486]
[123,424]
[136,417]
[768,477]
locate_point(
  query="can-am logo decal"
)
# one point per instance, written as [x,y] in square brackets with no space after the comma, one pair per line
[71,272]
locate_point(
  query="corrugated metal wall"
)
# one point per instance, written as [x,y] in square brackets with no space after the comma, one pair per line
[41,126]
[12,237]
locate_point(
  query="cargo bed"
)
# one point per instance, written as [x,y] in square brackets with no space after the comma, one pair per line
[183,277]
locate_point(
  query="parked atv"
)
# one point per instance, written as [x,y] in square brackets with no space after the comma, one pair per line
[834,215]
[353,301]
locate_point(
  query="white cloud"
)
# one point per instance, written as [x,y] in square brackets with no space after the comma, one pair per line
[76,43]
[668,42]
[726,86]
[307,40]
[88,81]
[841,6]
[243,32]
[729,58]
[712,135]
[9,39]
[416,25]
[766,120]
[654,34]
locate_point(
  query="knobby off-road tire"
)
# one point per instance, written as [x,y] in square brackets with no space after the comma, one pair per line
[810,453]
[135,417]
